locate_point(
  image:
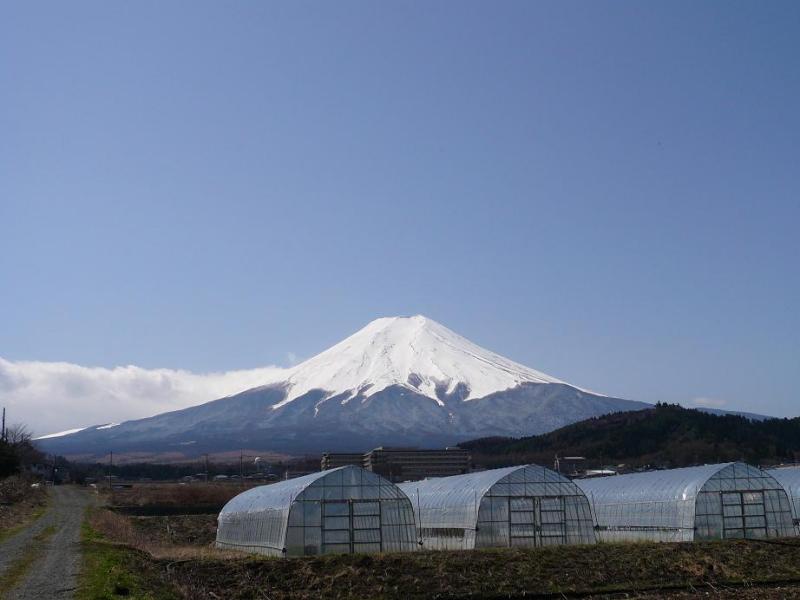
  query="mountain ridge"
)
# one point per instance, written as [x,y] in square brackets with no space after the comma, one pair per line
[664,435]
[398,381]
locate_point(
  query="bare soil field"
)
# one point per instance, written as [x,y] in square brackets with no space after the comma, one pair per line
[180,551]
[619,570]
[721,592]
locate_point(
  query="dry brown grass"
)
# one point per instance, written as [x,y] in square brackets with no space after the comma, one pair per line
[194,495]
[129,531]
[19,503]
[18,489]
[178,530]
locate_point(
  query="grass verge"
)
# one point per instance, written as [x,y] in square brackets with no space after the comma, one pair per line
[15,573]
[111,570]
[20,505]
[34,515]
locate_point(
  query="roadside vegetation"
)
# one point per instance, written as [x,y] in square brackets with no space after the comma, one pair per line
[20,504]
[23,499]
[114,570]
[173,537]
[17,451]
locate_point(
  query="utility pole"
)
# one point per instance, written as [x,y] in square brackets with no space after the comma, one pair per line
[206,457]
[110,466]
[3,433]
[241,468]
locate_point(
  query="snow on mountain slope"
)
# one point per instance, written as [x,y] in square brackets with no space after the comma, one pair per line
[413,352]
[60,433]
[402,381]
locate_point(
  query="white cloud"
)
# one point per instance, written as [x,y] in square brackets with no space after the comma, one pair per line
[709,402]
[55,396]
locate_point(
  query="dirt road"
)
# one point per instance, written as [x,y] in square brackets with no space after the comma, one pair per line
[43,560]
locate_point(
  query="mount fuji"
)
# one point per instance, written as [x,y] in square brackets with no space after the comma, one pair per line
[398,381]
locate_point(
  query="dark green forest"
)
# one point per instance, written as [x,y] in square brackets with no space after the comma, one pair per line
[664,436]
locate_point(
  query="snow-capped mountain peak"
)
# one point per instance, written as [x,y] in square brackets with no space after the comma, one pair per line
[414,352]
[401,381]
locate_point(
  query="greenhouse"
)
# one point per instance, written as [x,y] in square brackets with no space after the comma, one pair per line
[731,500]
[515,506]
[789,478]
[341,510]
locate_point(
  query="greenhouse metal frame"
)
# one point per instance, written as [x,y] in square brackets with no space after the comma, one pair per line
[723,501]
[524,506]
[342,510]
[789,478]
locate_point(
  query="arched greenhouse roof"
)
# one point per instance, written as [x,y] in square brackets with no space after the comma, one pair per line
[280,495]
[466,491]
[669,484]
[346,509]
[789,478]
[272,496]
[729,500]
[456,486]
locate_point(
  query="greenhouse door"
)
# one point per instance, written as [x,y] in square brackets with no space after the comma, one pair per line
[366,519]
[744,515]
[524,522]
[351,526]
[539,521]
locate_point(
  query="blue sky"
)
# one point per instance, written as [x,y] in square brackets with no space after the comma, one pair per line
[605,191]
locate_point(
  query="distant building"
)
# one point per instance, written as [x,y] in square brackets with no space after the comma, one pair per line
[404,464]
[332,461]
[599,472]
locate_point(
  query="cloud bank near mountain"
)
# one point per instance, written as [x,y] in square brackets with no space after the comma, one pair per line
[55,396]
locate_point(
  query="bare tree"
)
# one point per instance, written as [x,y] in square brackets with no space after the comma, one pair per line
[18,435]
[20,439]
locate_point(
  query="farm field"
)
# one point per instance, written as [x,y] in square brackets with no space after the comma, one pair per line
[177,554]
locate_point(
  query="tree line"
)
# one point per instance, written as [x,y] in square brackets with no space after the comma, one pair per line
[17,452]
[666,436]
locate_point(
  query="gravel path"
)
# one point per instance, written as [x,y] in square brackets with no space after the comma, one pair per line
[53,573]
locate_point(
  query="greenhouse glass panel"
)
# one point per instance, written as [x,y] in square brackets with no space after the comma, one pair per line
[725,501]
[515,506]
[340,510]
[789,478]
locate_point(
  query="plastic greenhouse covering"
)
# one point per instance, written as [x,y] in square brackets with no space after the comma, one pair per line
[731,500]
[515,506]
[789,478]
[345,510]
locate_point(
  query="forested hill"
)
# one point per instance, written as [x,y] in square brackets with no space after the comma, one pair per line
[666,436]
